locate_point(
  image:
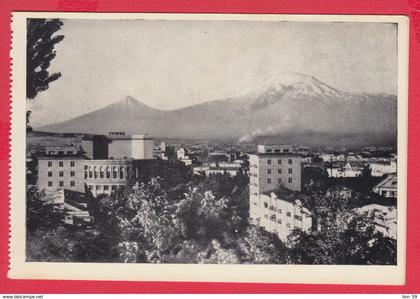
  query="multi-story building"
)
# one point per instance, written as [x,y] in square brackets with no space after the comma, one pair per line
[105,176]
[282,211]
[64,171]
[123,146]
[272,170]
[90,169]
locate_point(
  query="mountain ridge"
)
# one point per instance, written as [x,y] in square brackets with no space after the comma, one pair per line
[276,107]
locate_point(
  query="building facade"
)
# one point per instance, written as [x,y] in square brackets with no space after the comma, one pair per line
[282,212]
[69,169]
[271,170]
[387,187]
[124,146]
[105,176]
[57,172]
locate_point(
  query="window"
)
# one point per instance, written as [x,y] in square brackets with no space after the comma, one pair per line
[269,171]
[288,225]
[72,183]
[98,187]
[50,184]
[290,170]
[90,174]
[70,153]
[269,161]
[290,180]
[279,171]
[49,163]
[50,173]
[108,173]
[95,173]
[71,163]
[121,172]
[279,161]
[115,174]
[273,217]
[61,184]
[106,188]
[288,214]
[61,174]
[279,221]
[279,211]
[298,217]
[290,161]
[265,205]
[72,173]
[279,180]
[383,192]
[269,181]
[61,153]
[101,173]
[61,163]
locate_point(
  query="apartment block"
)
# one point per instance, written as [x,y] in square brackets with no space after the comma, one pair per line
[275,183]
[281,212]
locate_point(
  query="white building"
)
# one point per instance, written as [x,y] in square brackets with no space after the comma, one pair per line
[181,154]
[387,187]
[280,211]
[383,218]
[124,146]
[344,172]
[275,172]
[379,168]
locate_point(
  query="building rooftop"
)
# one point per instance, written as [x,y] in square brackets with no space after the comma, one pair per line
[78,156]
[287,195]
[389,182]
[274,155]
[124,136]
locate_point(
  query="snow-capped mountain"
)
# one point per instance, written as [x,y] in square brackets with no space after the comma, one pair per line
[290,106]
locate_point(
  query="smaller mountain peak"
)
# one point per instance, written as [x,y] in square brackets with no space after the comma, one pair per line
[130,102]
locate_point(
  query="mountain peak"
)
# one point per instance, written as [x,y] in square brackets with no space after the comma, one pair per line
[297,83]
[128,102]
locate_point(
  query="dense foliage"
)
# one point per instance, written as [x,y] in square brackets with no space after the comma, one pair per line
[204,220]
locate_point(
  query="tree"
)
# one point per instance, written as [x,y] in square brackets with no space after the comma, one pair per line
[41,39]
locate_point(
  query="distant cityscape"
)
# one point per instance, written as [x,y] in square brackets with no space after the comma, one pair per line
[279,176]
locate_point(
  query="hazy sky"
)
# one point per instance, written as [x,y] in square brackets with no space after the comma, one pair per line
[172,64]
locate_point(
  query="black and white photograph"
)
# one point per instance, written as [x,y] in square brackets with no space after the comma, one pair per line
[212,141]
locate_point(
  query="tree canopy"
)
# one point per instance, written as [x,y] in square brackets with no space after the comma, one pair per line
[40,42]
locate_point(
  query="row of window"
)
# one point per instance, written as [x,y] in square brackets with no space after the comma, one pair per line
[61,184]
[273,218]
[61,174]
[61,163]
[280,161]
[279,171]
[114,174]
[100,188]
[280,180]
[273,208]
